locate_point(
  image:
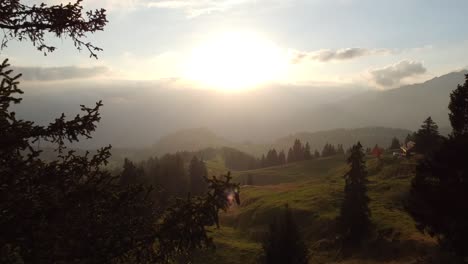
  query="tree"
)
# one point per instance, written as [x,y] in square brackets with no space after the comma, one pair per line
[197,175]
[458,111]
[291,157]
[298,150]
[316,154]
[439,190]
[354,219]
[340,149]
[283,243]
[307,154]
[130,174]
[70,209]
[281,158]
[395,144]
[23,22]
[427,138]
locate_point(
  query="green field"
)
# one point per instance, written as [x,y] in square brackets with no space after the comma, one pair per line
[313,190]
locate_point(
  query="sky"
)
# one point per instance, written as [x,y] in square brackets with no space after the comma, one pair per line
[237,44]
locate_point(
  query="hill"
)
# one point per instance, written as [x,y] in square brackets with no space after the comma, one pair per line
[261,115]
[313,189]
[404,107]
[197,139]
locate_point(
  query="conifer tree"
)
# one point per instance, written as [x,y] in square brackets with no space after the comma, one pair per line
[316,154]
[439,191]
[291,157]
[284,243]
[354,219]
[281,158]
[395,144]
[427,138]
[307,154]
[298,150]
[197,174]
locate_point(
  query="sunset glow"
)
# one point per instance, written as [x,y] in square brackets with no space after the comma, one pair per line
[234,61]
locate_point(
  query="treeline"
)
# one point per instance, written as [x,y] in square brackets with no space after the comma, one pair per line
[298,152]
[170,173]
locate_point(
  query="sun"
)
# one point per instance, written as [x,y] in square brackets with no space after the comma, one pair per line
[235,61]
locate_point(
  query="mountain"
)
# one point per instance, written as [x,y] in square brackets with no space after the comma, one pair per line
[405,107]
[201,138]
[136,114]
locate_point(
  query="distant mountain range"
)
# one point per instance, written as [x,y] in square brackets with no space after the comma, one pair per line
[405,107]
[137,114]
[201,138]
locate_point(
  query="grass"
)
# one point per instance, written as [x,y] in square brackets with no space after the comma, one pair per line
[314,190]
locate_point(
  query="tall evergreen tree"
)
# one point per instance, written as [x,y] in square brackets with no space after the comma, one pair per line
[307,154]
[281,158]
[427,138]
[354,219]
[197,175]
[395,144]
[298,150]
[316,154]
[130,174]
[439,191]
[291,157]
[340,150]
[284,243]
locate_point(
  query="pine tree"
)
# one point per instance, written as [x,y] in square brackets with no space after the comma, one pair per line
[130,174]
[291,157]
[458,111]
[197,174]
[354,219]
[316,154]
[439,191]
[427,138]
[340,150]
[298,150]
[284,243]
[281,158]
[307,154]
[395,144]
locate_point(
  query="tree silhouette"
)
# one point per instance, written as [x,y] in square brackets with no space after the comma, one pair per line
[395,144]
[307,154]
[281,158]
[24,22]
[316,154]
[197,175]
[427,138]
[354,219]
[439,191]
[283,243]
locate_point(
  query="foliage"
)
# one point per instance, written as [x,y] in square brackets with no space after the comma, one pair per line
[395,143]
[439,191]
[427,138]
[71,209]
[197,175]
[23,22]
[354,219]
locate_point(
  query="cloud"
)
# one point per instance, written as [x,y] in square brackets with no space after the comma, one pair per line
[195,8]
[392,75]
[326,55]
[59,73]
